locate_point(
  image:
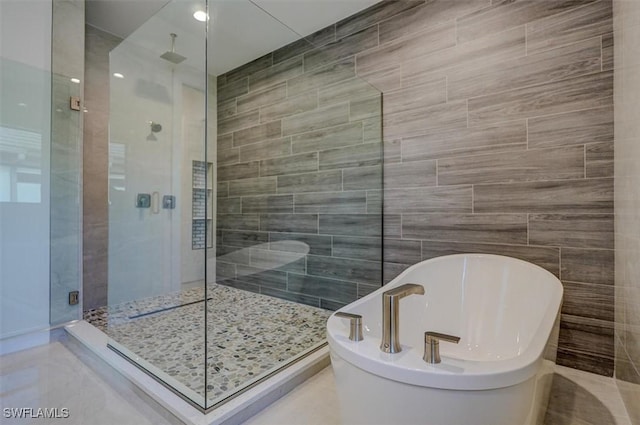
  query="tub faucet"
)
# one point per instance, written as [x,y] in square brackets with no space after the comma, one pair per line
[432,345]
[390,315]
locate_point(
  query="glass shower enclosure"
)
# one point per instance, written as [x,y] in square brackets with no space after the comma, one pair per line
[245,195]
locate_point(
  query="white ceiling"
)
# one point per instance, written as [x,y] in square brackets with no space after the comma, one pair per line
[240,30]
[120,17]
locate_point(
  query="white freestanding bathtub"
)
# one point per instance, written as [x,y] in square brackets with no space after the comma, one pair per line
[506,313]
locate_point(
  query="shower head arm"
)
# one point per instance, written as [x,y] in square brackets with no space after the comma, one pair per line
[171,55]
[173,42]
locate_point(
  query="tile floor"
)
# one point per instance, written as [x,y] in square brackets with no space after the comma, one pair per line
[61,375]
[242,344]
[577,398]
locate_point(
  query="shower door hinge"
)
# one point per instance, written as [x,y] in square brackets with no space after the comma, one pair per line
[74,103]
[74,297]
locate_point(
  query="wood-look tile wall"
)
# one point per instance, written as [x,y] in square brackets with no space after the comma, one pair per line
[95,184]
[498,138]
[300,174]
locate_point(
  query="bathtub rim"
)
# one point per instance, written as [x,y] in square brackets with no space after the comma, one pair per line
[408,367]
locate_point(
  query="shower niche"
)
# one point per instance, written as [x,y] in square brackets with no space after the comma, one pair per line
[272,148]
[202,205]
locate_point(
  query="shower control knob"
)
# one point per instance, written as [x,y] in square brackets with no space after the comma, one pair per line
[168,202]
[143,200]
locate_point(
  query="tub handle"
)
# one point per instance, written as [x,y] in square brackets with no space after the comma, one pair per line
[432,345]
[355,325]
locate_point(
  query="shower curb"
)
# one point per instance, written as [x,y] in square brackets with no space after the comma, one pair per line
[233,412]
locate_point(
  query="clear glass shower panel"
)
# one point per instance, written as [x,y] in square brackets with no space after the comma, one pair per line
[160,198]
[245,194]
[299,190]
[67,82]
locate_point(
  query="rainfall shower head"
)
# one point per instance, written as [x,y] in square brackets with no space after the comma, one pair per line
[172,56]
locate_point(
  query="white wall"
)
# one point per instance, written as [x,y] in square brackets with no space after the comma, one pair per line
[140,241]
[150,252]
[25,34]
[25,96]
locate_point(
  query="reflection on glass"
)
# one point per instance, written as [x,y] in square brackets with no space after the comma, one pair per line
[20,174]
[20,164]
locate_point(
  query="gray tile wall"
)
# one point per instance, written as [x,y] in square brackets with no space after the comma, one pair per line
[300,174]
[98,44]
[498,138]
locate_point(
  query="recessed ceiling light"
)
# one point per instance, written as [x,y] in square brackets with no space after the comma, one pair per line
[75,80]
[118,75]
[201,16]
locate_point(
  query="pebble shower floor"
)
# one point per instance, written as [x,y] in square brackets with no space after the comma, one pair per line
[247,334]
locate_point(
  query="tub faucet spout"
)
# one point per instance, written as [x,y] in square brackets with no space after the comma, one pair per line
[390,315]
